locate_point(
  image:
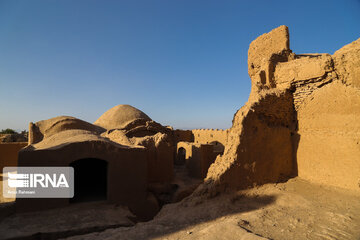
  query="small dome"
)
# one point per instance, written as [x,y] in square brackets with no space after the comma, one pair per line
[120,116]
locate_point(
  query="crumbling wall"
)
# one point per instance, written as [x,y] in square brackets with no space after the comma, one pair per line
[302,118]
[160,156]
[304,75]
[264,54]
[347,64]
[259,145]
[259,148]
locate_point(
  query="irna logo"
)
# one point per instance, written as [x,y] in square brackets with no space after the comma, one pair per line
[37,180]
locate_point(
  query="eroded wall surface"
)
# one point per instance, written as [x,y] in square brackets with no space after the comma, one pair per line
[329,124]
[302,118]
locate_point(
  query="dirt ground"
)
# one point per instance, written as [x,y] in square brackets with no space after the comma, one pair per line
[296,209]
[76,219]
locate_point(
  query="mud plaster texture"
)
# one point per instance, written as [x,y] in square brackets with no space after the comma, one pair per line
[302,119]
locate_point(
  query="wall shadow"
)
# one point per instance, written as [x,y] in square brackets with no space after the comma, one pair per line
[295,138]
[183,215]
[209,210]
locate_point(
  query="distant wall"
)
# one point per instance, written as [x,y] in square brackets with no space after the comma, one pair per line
[207,136]
[215,137]
[13,137]
[187,146]
[198,158]
[9,153]
[201,136]
[183,136]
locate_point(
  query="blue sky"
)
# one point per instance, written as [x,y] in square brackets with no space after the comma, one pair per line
[182,62]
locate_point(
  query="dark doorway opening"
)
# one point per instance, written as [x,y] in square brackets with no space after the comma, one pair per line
[181,156]
[90,180]
[218,147]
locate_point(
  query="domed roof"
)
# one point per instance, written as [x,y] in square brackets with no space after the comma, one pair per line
[119,116]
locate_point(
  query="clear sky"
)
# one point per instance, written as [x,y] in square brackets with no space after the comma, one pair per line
[182,62]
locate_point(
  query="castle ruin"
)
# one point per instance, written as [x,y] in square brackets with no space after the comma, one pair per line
[302,119]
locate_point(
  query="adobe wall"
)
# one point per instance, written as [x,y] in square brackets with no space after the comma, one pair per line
[207,158]
[9,153]
[201,136]
[198,158]
[196,142]
[160,163]
[192,158]
[329,147]
[302,118]
[127,173]
[259,145]
[329,124]
[260,148]
[183,136]
[208,136]
[160,151]
[188,146]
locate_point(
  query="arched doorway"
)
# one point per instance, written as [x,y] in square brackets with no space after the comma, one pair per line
[90,180]
[218,147]
[181,156]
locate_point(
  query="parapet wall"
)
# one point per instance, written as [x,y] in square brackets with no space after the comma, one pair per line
[216,137]
[198,157]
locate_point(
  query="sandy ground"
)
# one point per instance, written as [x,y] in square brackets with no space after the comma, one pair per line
[296,209]
[293,210]
[76,219]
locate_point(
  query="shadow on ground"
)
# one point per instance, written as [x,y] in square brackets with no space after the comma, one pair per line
[173,218]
